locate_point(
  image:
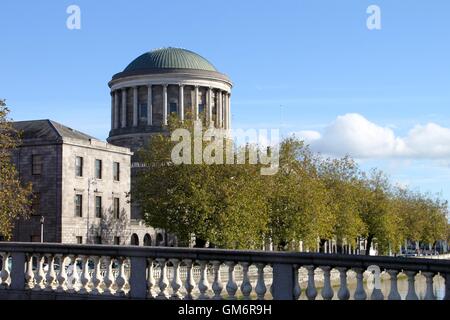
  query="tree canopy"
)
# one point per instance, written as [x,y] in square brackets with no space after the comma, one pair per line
[309,199]
[15,197]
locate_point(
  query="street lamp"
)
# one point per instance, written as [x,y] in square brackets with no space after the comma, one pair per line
[91,182]
[42,228]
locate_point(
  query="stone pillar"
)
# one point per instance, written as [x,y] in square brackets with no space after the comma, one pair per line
[209,117]
[112,110]
[181,102]
[165,105]
[135,106]
[228,111]
[219,109]
[195,111]
[116,109]
[124,107]
[149,105]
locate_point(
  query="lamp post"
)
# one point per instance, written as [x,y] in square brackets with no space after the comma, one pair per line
[91,182]
[42,228]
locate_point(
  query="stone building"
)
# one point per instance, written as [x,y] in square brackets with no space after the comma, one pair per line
[163,82]
[74,175]
[80,187]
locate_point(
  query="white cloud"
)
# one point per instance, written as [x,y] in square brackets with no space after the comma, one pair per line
[353,134]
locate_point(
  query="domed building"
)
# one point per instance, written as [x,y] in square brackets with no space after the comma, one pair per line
[162,82]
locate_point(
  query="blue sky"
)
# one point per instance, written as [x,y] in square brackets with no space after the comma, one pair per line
[296,65]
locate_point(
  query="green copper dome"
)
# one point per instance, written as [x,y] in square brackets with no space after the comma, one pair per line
[170,58]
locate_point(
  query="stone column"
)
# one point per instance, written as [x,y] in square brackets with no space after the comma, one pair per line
[165,105]
[149,106]
[219,109]
[195,111]
[112,110]
[228,111]
[135,106]
[116,109]
[181,102]
[209,117]
[124,107]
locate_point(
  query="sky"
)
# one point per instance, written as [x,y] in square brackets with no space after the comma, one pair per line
[309,67]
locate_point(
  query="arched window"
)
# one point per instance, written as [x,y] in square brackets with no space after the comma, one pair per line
[159,239]
[147,240]
[134,239]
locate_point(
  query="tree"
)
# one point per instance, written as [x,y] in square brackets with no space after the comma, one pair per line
[15,197]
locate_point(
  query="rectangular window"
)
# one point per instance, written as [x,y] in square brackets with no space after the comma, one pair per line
[35,204]
[35,238]
[143,112]
[78,205]
[79,166]
[98,169]
[37,164]
[173,107]
[79,240]
[98,207]
[116,171]
[98,240]
[117,208]
[116,241]
[201,108]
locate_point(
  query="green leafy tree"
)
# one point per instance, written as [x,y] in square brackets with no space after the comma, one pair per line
[15,197]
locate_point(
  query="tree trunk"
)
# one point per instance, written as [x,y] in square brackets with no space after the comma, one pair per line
[369,244]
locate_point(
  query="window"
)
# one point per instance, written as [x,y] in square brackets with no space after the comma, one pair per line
[116,171]
[78,205]
[79,240]
[79,166]
[35,238]
[117,208]
[173,107]
[116,241]
[36,203]
[98,240]
[98,169]
[98,207]
[37,164]
[143,112]
[201,108]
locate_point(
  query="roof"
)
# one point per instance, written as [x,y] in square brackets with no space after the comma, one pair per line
[170,58]
[48,130]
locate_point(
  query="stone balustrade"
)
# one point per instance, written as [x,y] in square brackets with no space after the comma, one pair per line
[57,271]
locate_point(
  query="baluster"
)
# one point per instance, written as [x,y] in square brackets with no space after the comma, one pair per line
[150,279]
[97,279]
[327,292]
[411,288]
[360,293]
[62,275]
[176,281]
[190,283]
[203,284]
[163,281]
[85,277]
[246,286]
[393,294]
[4,274]
[121,279]
[343,293]
[429,294]
[217,284]
[260,287]
[40,276]
[108,280]
[75,279]
[297,288]
[29,276]
[231,284]
[311,291]
[51,274]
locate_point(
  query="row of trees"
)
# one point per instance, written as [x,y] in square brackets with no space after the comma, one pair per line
[310,198]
